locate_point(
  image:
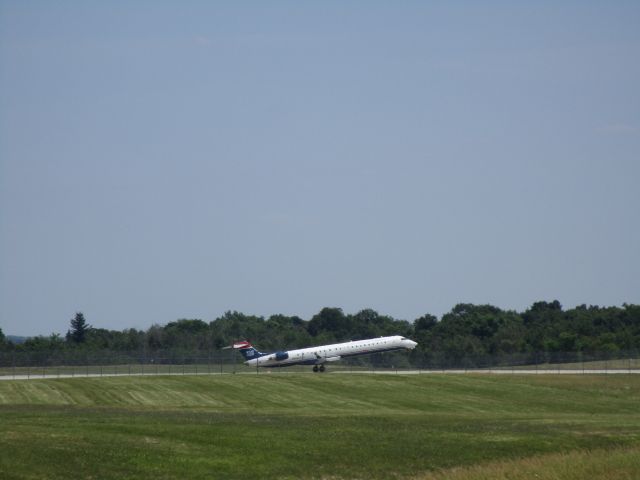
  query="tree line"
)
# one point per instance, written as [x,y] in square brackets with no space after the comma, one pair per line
[468,330]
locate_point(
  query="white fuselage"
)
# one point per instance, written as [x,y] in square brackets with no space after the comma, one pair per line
[331,353]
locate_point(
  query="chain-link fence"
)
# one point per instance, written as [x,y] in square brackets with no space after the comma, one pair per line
[73,363]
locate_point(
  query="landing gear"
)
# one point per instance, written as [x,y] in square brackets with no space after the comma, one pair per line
[322,368]
[315,369]
[318,368]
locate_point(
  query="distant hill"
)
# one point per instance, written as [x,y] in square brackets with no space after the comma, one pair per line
[16,339]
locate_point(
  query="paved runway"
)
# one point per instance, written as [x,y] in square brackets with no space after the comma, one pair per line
[358,372]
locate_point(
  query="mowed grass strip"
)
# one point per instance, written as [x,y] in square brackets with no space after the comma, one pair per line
[615,464]
[306,426]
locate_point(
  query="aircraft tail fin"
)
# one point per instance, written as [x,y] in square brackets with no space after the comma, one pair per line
[247,350]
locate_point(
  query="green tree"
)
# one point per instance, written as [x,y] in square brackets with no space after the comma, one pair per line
[154,337]
[425,323]
[187,334]
[331,322]
[79,328]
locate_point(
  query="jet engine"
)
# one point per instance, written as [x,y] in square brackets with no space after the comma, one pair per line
[281,355]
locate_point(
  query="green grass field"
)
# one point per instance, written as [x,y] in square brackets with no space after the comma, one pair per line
[322,426]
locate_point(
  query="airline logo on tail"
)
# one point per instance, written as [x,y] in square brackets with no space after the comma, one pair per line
[247,350]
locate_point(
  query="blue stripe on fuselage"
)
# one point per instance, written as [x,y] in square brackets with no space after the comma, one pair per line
[371,351]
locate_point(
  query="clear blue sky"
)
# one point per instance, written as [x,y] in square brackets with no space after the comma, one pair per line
[164,160]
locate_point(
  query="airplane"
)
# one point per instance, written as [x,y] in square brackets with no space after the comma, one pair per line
[318,356]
